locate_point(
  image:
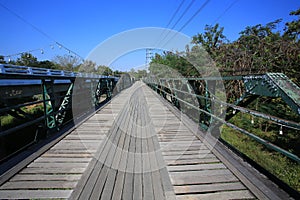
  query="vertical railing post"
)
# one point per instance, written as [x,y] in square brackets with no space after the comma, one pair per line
[50,122]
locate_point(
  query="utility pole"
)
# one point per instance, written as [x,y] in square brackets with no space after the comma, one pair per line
[149,56]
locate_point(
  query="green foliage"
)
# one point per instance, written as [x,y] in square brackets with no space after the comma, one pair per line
[176,64]
[138,74]
[292,30]
[46,64]
[87,66]
[2,61]
[259,49]
[211,39]
[277,164]
[67,62]
[27,59]
[104,70]
[118,73]
[8,121]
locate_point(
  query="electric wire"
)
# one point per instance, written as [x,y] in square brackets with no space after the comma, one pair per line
[225,11]
[39,31]
[171,19]
[181,16]
[189,20]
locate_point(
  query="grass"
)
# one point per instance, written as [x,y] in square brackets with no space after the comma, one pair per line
[8,121]
[282,167]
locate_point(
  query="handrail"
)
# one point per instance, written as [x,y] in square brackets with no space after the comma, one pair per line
[276,120]
[56,90]
[6,69]
[245,132]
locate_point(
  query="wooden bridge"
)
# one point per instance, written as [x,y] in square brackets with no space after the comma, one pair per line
[137,146]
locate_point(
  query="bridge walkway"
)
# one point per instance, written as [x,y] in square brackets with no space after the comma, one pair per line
[138,147]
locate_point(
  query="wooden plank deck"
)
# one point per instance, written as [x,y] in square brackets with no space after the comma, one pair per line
[130,164]
[195,172]
[56,173]
[136,147]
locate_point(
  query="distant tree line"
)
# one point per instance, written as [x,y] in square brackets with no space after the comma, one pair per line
[259,49]
[65,62]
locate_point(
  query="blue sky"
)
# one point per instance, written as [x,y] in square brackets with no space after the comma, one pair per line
[82,25]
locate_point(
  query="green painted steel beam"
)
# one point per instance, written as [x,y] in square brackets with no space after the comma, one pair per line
[48,108]
[274,85]
[251,135]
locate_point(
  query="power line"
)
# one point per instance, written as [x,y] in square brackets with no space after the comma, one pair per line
[171,19]
[27,22]
[181,16]
[184,12]
[225,11]
[173,16]
[39,30]
[29,51]
[189,20]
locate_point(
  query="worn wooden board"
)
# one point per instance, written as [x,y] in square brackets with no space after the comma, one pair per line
[130,157]
[194,170]
[56,172]
[134,148]
[35,194]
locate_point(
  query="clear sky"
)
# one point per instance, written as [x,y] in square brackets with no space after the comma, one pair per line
[81,25]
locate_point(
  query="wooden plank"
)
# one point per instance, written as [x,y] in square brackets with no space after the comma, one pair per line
[43,177]
[57,165]
[98,186]
[147,186]
[193,156]
[128,188]
[62,160]
[196,167]
[110,182]
[39,185]
[69,151]
[67,155]
[118,188]
[106,176]
[216,187]
[192,161]
[102,175]
[188,152]
[183,180]
[65,170]
[35,194]
[176,147]
[147,177]
[86,186]
[242,194]
[156,178]
[138,177]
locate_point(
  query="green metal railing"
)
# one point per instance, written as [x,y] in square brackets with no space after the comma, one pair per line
[271,85]
[56,91]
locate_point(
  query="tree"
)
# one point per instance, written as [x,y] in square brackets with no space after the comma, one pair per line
[292,29]
[67,62]
[46,64]
[27,59]
[104,70]
[118,73]
[87,66]
[141,74]
[2,61]
[211,39]
[138,74]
